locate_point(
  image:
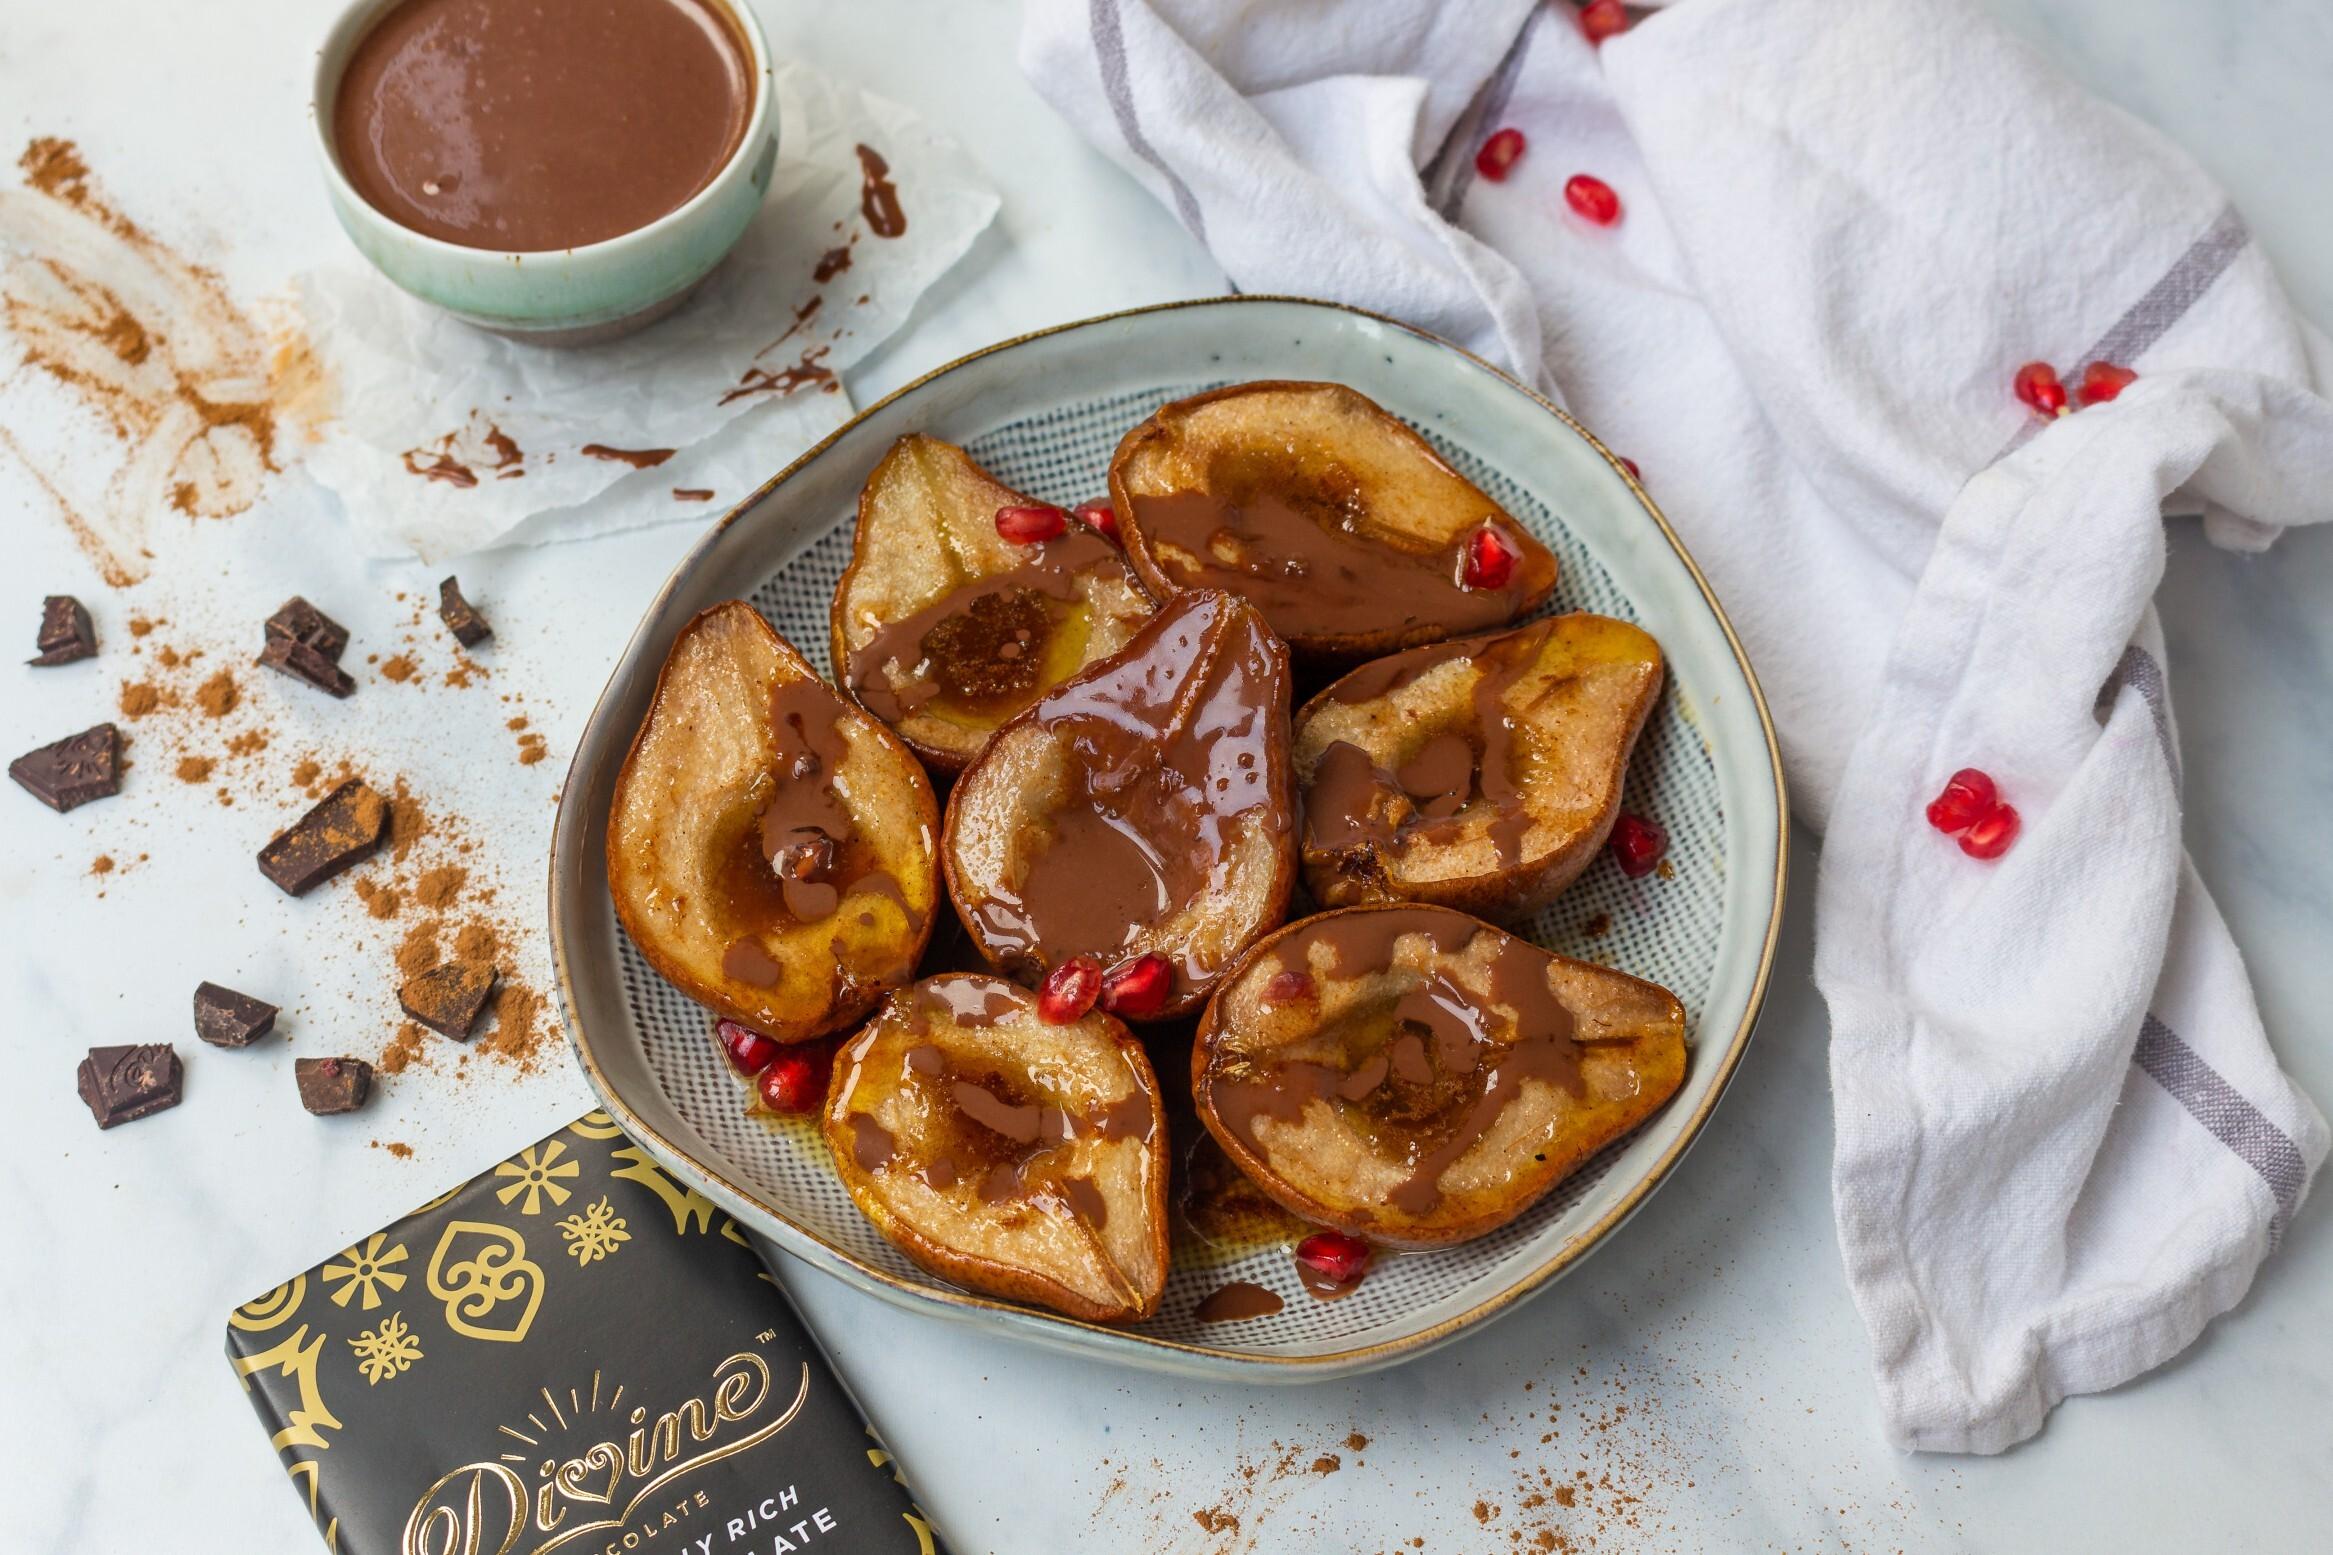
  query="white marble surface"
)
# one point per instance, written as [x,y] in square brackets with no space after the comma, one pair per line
[1706,1369]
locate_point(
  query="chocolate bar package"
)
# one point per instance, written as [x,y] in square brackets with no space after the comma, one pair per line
[571,1352]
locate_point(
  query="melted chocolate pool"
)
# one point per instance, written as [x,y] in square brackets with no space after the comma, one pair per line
[535,125]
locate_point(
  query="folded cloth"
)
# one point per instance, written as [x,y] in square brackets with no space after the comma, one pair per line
[2063,1142]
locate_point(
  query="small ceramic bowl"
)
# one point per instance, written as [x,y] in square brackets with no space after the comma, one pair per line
[568,296]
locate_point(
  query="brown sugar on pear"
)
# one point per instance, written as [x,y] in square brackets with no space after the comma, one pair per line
[1005,1153]
[1416,1077]
[770,846]
[1140,810]
[1482,774]
[943,627]
[1342,524]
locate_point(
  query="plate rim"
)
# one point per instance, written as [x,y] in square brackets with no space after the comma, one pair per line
[1125,1344]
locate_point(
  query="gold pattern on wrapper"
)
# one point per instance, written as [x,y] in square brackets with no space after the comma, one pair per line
[491,1273]
[272,1310]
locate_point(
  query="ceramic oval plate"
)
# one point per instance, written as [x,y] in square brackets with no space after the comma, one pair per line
[1044,413]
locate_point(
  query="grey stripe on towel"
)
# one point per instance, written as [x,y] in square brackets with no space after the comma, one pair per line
[1451,173]
[2222,1109]
[1110,50]
[2138,670]
[2162,305]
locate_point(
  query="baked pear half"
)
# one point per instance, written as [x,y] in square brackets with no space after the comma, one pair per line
[1342,525]
[1005,1153]
[943,627]
[1140,814]
[1417,1077]
[1481,774]
[771,847]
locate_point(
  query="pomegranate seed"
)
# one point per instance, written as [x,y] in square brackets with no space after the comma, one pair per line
[1499,154]
[1490,560]
[1027,526]
[1069,991]
[1601,19]
[792,1083]
[2037,385]
[1634,473]
[2102,381]
[1592,198]
[1990,834]
[1289,988]
[1967,795]
[1337,1258]
[749,1051]
[1139,986]
[1100,517]
[1638,844]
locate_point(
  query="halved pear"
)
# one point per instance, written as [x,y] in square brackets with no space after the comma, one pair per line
[1481,774]
[1417,1077]
[770,847]
[1004,1153]
[1340,522]
[943,628]
[1142,808]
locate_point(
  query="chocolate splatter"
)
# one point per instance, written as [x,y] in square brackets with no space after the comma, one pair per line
[785,380]
[879,196]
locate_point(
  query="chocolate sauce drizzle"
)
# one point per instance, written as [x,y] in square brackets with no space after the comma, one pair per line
[1353,803]
[1304,545]
[994,1132]
[981,645]
[1168,750]
[802,854]
[1422,1074]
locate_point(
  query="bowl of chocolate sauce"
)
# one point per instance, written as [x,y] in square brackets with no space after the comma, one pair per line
[561,171]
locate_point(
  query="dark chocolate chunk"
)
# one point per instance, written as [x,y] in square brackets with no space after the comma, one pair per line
[225,1018]
[303,661]
[448,999]
[124,1083]
[460,616]
[300,622]
[347,827]
[73,771]
[65,634]
[330,1085]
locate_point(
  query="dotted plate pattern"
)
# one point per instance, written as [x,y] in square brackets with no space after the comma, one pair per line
[1663,927]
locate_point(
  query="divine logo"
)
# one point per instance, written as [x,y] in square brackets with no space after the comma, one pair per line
[603,1482]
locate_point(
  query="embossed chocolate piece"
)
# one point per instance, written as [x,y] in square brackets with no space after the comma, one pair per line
[225,1018]
[449,999]
[346,827]
[66,633]
[295,620]
[945,625]
[1482,774]
[1142,809]
[332,1085]
[1339,522]
[1005,1152]
[770,846]
[460,616]
[1438,1078]
[306,644]
[121,1084]
[73,771]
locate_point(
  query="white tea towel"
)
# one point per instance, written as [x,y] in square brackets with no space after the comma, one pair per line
[2063,1141]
